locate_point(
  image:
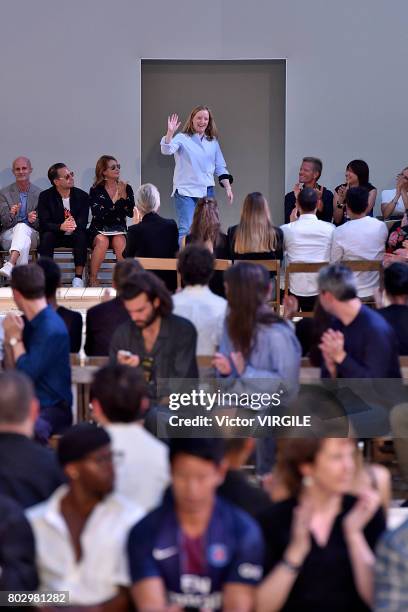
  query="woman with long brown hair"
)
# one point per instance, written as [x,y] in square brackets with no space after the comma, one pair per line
[320,542]
[256,343]
[198,157]
[111,201]
[206,230]
[255,237]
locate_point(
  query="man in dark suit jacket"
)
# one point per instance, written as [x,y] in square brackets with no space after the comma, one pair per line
[29,472]
[63,212]
[103,319]
[309,173]
[152,235]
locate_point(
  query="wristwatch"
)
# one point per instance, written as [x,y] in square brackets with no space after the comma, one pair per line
[340,205]
[13,341]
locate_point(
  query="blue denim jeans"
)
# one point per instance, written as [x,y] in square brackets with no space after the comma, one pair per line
[185,206]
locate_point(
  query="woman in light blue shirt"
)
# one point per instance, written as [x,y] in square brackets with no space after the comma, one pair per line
[198,157]
[259,354]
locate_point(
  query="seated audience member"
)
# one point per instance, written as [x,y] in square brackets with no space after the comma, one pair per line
[17,552]
[111,201]
[119,401]
[29,473]
[196,302]
[394,202]
[309,173]
[391,571]
[80,532]
[206,230]
[367,476]
[259,351]
[360,343]
[237,487]
[161,344]
[103,319]
[18,216]
[307,240]
[255,237]
[362,237]
[320,542]
[39,347]
[309,330]
[197,550]
[399,429]
[63,215]
[152,235]
[256,343]
[71,318]
[357,175]
[396,293]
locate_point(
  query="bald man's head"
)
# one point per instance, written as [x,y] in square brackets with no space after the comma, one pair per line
[22,169]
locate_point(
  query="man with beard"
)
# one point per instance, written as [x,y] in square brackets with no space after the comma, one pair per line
[161,344]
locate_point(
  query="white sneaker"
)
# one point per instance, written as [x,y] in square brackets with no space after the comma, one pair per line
[77,282]
[6,269]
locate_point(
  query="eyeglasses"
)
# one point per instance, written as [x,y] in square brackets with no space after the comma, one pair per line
[114,167]
[67,176]
[114,457]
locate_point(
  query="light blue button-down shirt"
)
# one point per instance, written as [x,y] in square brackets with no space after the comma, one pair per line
[197,160]
[22,215]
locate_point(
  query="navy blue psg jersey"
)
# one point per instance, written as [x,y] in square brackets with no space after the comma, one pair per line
[232,551]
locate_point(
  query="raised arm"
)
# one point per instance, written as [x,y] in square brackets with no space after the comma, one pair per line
[275,589]
[372,196]
[167,145]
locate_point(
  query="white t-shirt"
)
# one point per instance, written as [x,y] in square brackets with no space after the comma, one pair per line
[389,194]
[67,205]
[142,473]
[206,311]
[307,240]
[361,239]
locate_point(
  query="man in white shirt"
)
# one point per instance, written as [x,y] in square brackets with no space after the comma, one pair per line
[196,302]
[395,201]
[306,240]
[363,237]
[81,530]
[119,401]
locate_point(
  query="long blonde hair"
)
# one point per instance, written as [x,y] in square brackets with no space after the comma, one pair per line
[255,232]
[211,130]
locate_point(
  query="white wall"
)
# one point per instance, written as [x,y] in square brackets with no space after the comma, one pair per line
[70,76]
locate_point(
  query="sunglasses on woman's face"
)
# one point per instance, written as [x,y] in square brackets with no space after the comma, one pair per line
[114,167]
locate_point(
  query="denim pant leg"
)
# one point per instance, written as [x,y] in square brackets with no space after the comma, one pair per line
[185,206]
[185,212]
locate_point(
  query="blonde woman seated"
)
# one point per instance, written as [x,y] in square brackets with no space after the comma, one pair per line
[152,235]
[255,237]
[111,201]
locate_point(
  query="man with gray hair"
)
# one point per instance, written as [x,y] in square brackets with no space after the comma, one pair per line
[309,173]
[360,343]
[152,235]
[29,472]
[18,216]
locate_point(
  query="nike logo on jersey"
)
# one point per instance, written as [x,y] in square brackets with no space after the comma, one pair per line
[164,553]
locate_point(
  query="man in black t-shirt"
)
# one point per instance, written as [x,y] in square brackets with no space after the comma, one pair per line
[309,173]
